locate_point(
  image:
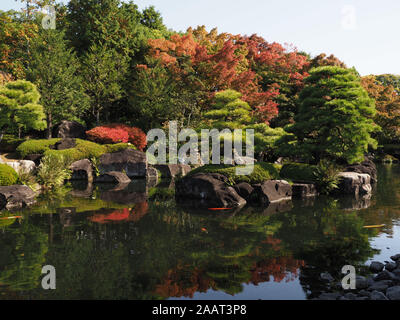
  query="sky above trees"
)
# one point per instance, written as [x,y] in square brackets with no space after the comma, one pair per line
[362,33]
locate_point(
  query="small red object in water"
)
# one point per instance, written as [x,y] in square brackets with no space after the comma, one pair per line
[219,209]
[204,230]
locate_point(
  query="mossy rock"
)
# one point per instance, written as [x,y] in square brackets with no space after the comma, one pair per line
[298,172]
[35,146]
[8,176]
[9,143]
[262,171]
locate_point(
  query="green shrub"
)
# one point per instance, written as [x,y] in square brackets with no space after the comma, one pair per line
[83,150]
[298,172]
[35,146]
[262,171]
[8,176]
[326,177]
[53,171]
[10,142]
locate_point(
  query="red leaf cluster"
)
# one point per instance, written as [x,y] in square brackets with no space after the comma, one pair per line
[117,133]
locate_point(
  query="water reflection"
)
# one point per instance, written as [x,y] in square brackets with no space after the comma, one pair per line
[136,243]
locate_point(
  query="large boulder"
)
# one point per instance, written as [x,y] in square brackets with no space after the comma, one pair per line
[366,167]
[354,184]
[70,129]
[82,170]
[210,189]
[132,162]
[244,190]
[173,170]
[21,165]
[114,177]
[16,197]
[271,191]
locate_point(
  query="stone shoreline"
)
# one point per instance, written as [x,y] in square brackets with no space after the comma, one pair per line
[384,284]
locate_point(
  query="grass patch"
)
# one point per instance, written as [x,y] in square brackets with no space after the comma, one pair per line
[300,172]
[262,171]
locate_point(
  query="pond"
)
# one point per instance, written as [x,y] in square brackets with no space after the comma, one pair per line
[137,243]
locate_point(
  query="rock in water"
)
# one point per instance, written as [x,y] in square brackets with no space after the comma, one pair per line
[114,177]
[16,197]
[376,266]
[393,293]
[354,184]
[82,170]
[132,162]
[271,191]
[210,189]
[376,295]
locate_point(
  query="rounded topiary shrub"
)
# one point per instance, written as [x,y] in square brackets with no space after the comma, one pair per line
[8,176]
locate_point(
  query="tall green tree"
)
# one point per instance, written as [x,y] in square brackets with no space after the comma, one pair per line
[104,70]
[19,108]
[334,120]
[54,69]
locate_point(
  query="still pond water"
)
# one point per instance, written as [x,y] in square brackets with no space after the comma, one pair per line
[137,244]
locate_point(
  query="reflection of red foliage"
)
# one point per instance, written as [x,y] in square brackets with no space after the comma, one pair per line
[126,214]
[280,268]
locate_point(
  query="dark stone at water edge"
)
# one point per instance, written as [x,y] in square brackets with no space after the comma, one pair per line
[379,286]
[210,189]
[132,162]
[361,282]
[271,191]
[16,197]
[393,293]
[376,267]
[366,167]
[244,190]
[70,129]
[390,266]
[395,257]
[302,190]
[329,296]
[173,170]
[326,277]
[114,177]
[376,295]
[82,170]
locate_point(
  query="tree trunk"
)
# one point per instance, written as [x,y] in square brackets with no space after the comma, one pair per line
[1,135]
[49,126]
[98,118]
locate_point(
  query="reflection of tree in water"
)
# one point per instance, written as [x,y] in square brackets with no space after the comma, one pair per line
[327,239]
[22,255]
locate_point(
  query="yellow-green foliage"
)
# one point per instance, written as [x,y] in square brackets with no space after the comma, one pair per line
[83,150]
[299,172]
[8,176]
[262,171]
[35,146]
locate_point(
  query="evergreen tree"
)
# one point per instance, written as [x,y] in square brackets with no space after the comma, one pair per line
[19,108]
[334,120]
[229,111]
[54,69]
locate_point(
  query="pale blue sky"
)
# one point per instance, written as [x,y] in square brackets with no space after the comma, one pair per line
[367,39]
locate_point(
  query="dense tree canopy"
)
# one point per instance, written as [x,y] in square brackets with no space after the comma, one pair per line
[334,120]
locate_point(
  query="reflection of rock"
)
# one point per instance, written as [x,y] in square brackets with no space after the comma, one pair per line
[172,170]
[70,129]
[114,177]
[123,196]
[271,191]
[354,184]
[66,216]
[303,190]
[132,162]
[15,197]
[82,170]
[275,207]
[87,193]
[355,203]
[152,177]
[210,189]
